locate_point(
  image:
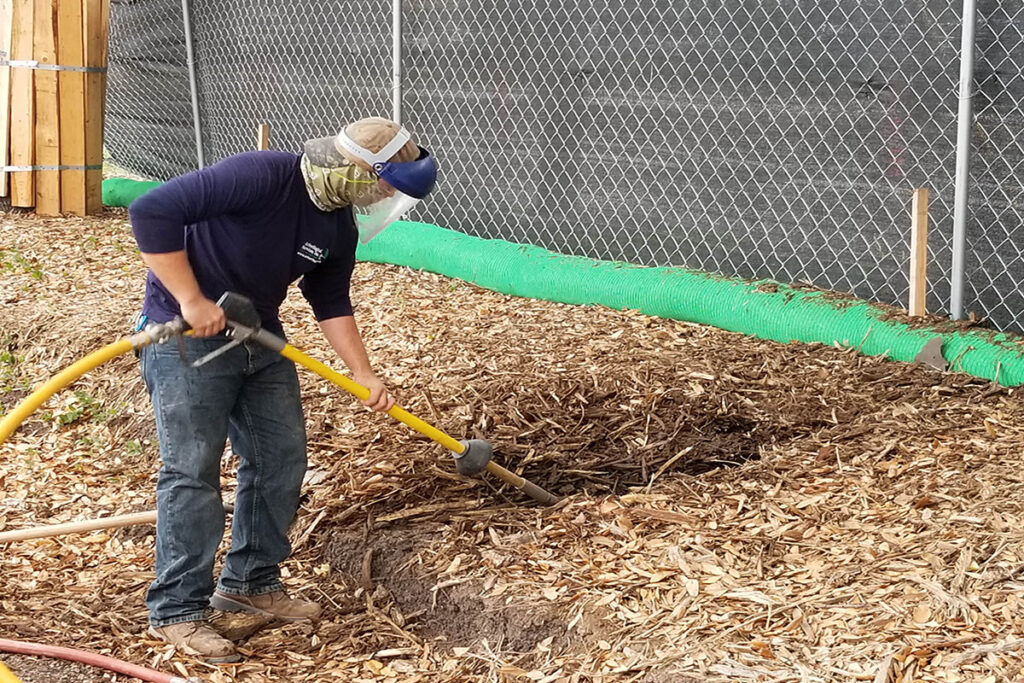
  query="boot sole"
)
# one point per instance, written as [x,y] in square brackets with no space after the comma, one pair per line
[209,659]
[225,604]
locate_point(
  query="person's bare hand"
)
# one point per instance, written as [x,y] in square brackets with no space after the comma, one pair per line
[379,399]
[203,316]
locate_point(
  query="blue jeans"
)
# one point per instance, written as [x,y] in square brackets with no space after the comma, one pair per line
[249,394]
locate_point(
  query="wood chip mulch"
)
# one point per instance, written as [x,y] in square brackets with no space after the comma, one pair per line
[734,509]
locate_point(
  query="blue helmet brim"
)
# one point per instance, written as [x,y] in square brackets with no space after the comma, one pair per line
[414,178]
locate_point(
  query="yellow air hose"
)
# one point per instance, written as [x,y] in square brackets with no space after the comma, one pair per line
[69,374]
[7,676]
[58,382]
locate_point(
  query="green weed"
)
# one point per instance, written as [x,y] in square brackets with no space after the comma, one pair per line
[8,361]
[83,406]
[13,261]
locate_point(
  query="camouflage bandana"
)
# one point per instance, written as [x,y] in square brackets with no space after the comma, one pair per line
[335,188]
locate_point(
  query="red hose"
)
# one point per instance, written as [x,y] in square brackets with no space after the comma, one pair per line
[90,658]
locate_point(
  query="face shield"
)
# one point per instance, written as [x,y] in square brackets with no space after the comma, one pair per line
[396,187]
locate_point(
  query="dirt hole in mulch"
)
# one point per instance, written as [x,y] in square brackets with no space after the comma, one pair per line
[448,615]
[700,444]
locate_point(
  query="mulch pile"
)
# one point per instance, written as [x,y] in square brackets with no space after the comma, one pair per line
[733,509]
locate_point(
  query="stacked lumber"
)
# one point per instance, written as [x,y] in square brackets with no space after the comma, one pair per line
[52,85]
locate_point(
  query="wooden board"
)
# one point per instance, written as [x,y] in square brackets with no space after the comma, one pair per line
[47,110]
[919,252]
[70,52]
[22,108]
[95,15]
[6,11]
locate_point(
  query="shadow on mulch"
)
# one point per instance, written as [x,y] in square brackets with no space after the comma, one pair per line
[45,670]
[140,533]
[452,616]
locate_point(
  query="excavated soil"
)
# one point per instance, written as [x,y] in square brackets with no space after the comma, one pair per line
[449,616]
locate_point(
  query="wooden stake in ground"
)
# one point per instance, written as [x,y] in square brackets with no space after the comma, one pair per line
[70,52]
[47,110]
[919,252]
[23,117]
[262,137]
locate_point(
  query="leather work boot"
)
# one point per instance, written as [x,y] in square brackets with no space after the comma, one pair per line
[197,638]
[277,605]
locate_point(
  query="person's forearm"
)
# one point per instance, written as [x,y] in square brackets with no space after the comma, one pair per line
[343,334]
[174,271]
[344,337]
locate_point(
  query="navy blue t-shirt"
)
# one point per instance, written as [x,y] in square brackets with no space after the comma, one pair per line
[248,226]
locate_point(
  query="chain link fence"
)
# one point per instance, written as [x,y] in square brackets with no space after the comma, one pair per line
[764,140]
[994,283]
[148,126]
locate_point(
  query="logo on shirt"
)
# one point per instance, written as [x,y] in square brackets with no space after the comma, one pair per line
[311,252]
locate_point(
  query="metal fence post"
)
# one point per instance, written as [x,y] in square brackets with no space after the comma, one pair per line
[396,60]
[191,62]
[963,161]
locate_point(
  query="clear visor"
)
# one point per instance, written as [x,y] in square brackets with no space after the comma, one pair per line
[389,206]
